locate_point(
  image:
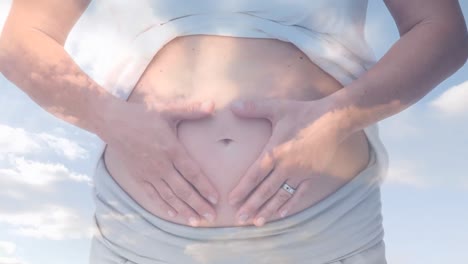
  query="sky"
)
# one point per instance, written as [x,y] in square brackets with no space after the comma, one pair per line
[46,204]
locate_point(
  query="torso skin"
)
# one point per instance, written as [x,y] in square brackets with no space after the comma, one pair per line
[223,69]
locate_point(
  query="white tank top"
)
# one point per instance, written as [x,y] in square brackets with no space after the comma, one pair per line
[115,40]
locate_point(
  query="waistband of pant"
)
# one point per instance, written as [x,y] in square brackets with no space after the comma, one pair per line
[344,223]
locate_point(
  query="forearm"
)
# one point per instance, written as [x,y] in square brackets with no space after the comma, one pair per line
[421,59]
[47,74]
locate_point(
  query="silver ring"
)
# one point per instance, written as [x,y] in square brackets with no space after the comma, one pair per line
[288,188]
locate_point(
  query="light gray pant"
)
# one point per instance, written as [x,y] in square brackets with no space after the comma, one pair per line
[345,227]
[374,255]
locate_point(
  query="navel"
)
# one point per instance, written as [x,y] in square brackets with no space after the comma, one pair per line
[225,141]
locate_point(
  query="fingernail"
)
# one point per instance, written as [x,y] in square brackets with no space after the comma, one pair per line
[243,218]
[171,213]
[260,221]
[193,221]
[209,217]
[283,213]
[238,105]
[206,106]
[213,199]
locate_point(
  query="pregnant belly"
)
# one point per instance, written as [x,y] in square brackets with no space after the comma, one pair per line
[224,145]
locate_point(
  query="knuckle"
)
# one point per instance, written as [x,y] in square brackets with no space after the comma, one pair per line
[151,193]
[201,207]
[169,197]
[186,212]
[184,193]
[192,175]
[248,208]
[267,162]
[276,153]
[283,196]
[148,189]
[266,213]
[162,172]
[268,190]
[257,177]
[190,171]
[192,107]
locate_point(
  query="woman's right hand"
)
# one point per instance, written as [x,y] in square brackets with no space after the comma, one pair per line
[145,140]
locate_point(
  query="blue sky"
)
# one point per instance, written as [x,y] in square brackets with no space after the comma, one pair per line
[46,205]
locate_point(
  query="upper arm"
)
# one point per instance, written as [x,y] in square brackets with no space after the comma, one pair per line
[55,18]
[408,13]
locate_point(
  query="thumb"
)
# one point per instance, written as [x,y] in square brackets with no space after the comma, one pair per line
[257,108]
[187,110]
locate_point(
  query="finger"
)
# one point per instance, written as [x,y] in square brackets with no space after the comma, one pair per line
[271,207]
[190,196]
[286,209]
[155,200]
[262,194]
[190,170]
[182,208]
[258,108]
[254,175]
[264,164]
[178,111]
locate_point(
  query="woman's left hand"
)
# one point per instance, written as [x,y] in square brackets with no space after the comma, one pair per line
[305,137]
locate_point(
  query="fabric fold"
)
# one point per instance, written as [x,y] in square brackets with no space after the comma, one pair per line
[345,223]
[321,48]
[340,227]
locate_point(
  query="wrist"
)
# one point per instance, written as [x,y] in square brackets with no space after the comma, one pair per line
[339,112]
[107,110]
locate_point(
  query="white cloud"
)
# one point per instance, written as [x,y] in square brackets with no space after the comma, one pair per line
[454,101]
[64,146]
[40,173]
[50,222]
[406,173]
[403,126]
[98,39]
[17,141]
[10,261]
[7,248]
[11,194]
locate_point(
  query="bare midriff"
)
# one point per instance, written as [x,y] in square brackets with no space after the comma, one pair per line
[224,69]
